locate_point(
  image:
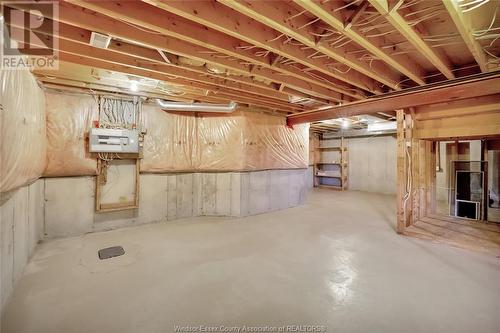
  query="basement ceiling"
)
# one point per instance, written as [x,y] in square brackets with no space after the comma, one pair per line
[281,56]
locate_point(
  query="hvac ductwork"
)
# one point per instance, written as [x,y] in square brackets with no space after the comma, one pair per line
[197,107]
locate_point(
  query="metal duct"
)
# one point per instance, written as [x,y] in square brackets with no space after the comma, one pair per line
[200,107]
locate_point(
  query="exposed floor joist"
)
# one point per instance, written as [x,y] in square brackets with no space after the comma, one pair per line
[463,24]
[276,15]
[437,58]
[148,17]
[140,58]
[232,23]
[326,12]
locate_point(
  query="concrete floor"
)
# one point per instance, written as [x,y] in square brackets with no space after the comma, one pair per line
[335,262]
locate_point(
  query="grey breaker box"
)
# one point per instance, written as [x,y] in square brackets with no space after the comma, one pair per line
[107,140]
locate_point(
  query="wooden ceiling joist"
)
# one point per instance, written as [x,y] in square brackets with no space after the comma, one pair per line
[326,12]
[276,15]
[232,23]
[435,57]
[149,17]
[464,27]
[456,90]
[90,20]
[167,73]
[175,68]
[88,84]
[164,78]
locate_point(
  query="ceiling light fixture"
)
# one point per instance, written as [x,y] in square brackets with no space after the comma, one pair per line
[346,123]
[134,86]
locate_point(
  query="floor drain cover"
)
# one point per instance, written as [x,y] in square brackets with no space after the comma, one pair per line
[110,252]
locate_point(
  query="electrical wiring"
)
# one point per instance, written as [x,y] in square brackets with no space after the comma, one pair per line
[479,4]
[345,6]
[485,31]
[296,15]
[415,12]
[308,23]
[410,3]
[381,34]
[276,38]
[340,71]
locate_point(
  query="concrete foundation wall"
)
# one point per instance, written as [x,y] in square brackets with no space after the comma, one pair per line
[69,201]
[21,227]
[372,164]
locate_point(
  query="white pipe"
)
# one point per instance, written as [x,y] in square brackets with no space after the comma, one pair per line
[201,107]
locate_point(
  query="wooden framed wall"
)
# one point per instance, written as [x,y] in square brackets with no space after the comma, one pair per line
[419,133]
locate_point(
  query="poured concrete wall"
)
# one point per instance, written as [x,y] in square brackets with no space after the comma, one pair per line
[69,201]
[372,164]
[21,227]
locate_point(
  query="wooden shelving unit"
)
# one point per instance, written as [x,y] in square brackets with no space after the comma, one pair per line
[332,173]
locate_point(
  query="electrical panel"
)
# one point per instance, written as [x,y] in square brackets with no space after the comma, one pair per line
[107,140]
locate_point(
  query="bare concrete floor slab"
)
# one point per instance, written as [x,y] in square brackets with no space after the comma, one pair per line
[335,262]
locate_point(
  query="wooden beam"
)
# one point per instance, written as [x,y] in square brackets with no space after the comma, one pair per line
[149,17]
[276,14]
[465,107]
[326,12]
[437,58]
[461,127]
[232,23]
[463,23]
[479,85]
[401,172]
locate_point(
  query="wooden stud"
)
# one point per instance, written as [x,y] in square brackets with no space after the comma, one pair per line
[401,177]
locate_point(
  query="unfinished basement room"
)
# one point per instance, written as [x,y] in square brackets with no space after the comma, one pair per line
[228,166]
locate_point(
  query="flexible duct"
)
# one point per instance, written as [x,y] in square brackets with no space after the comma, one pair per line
[200,107]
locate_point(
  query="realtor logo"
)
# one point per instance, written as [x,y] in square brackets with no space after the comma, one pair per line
[29,35]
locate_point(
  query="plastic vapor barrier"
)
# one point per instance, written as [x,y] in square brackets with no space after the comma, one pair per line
[243,140]
[69,118]
[170,143]
[22,132]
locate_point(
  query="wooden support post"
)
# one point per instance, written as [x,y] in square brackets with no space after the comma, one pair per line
[401,166]
[421,178]
[432,178]
[415,151]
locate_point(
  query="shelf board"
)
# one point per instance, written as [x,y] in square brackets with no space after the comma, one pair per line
[332,163]
[332,148]
[324,176]
[333,187]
